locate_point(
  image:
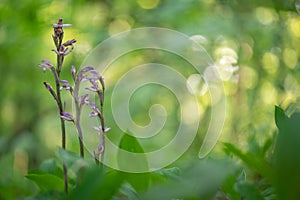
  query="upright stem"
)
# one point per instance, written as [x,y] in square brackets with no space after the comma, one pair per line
[61,109]
[102,135]
[101,98]
[78,127]
[78,107]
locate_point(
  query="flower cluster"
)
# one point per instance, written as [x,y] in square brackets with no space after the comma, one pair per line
[87,73]
[97,86]
[62,49]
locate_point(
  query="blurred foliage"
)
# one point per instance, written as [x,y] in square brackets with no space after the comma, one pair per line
[262,38]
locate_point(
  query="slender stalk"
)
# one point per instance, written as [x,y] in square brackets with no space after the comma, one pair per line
[61,109]
[62,122]
[101,116]
[62,49]
[78,127]
[58,38]
[102,135]
[78,107]
[100,151]
[65,170]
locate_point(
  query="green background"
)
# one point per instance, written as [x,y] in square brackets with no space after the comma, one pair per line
[262,36]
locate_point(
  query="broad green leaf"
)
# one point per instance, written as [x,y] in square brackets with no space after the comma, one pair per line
[130,155]
[46,181]
[280,117]
[287,158]
[139,181]
[143,181]
[201,179]
[50,166]
[97,185]
[70,159]
[131,144]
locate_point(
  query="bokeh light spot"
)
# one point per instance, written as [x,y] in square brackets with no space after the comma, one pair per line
[294,25]
[290,58]
[266,16]
[268,93]
[148,4]
[248,77]
[21,161]
[270,62]
[117,26]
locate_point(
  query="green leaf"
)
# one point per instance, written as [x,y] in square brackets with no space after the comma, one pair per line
[131,156]
[257,164]
[280,117]
[287,159]
[169,173]
[71,159]
[249,191]
[131,144]
[228,187]
[128,191]
[50,166]
[46,181]
[200,180]
[47,195]
[97,185]
[139,181]
[268,144]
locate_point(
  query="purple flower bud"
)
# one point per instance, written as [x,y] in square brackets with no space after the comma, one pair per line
[58,31]
[84,99]
[92,89]
[94,107]
[93,114]
[47,62]
[69,42]
[66,85]
[48,86]
[50,89]
[65,82]
[95,85]
[94,74]
[46,65]
[81,75]
[73,71]
[62,50]
[67,116]
[87,68]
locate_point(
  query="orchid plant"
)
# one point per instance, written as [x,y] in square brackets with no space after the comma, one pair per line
[87,73]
